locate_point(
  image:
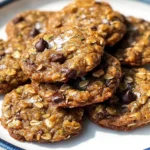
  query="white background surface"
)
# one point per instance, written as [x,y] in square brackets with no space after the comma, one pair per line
[92,137]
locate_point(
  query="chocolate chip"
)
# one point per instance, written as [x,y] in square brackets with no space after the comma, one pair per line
[18,19]
[72,74]
[94,28]
[58,58]
[57,98]
[41,45]
[34,32]
[128,97]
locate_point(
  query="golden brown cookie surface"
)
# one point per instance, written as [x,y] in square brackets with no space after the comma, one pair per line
[63,55]
[134,48]
[28,117]
[28,24]
[129,108]
[97,86]
[11,74]
[95,17]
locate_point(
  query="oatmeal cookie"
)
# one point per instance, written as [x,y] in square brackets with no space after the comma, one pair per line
[11,74]
[96,86]
[134,48]
[129,108]
[62,55]
[28,24]
[94,17]
[28,117]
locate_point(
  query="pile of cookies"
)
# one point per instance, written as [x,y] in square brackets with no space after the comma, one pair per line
[83,59]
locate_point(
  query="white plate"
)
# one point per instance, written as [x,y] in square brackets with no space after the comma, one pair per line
[92,137]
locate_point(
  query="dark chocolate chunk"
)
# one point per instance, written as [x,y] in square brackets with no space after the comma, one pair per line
[94,28]
[41,45]
[18,19]
[58,58]
[57,98]
[128,97]
[34,32]
[72,74]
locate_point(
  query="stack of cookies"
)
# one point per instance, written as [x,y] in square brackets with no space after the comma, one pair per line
[84,59]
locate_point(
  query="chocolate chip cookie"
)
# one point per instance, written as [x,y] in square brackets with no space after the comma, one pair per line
[97,86]
[28,24]
[134,48]
[11,74]
[28,117]
[129,108]
[95,17]
[61,55]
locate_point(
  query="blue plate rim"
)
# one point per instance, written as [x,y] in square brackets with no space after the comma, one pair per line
[5,2]
[8,146]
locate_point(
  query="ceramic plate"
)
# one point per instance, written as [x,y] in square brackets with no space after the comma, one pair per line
[92,136]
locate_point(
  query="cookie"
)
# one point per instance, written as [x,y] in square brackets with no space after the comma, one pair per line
[129,108]
[11,74]
[97,86]
[94,17]
[134,48]
[65,54]
[28,117]
[28,24]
